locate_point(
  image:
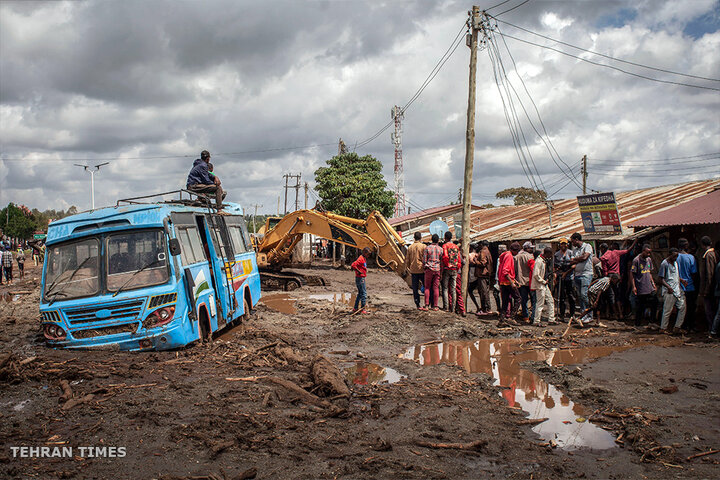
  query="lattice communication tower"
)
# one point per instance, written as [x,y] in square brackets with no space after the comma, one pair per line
[400,204]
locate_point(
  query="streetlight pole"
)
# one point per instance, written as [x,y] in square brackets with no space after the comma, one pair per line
[92,180]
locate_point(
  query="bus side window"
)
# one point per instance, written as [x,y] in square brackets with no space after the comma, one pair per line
[190,248]
[236,235]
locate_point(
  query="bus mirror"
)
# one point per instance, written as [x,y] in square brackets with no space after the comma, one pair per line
[174,247]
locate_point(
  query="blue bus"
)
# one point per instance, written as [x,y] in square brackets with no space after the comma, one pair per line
[146,276]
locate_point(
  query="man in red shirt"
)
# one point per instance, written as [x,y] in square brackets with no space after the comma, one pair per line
[359,266]
[450,262]
[508,283]
[431,262]
[610,261]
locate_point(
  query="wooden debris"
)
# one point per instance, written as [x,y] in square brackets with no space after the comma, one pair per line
[476,445]
[74,402]
[531,421]
[328,377]
[67,391]
[245,379]
[27,360]
[697,455]
[300,393]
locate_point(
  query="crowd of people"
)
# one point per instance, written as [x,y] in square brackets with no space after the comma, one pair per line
[540,287]
[12,252]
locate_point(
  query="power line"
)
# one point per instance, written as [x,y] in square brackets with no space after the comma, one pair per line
[513,8]
[675,172]
[608,56]
[230,154]
[610,66]
[548,144]
[433,73]
[688,159]
[499,4]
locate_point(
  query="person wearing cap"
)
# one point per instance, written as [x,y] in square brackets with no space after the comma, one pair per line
[563,279]
[582,254]
[523,268]
[199,179]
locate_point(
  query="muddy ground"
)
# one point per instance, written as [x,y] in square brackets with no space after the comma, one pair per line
[260,402]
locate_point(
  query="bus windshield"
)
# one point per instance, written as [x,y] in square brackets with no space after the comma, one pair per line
[136,259]
[72,270]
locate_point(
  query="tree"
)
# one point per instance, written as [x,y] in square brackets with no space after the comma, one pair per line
[523,195]
[17,222]
[354,186]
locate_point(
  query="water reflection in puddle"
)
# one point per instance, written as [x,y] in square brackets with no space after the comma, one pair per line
[364,373]
[280,302]
[344,298]
[522,388]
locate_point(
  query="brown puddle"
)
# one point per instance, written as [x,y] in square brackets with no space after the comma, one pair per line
[364,373]
[343,298]
[280,302]
[523,388]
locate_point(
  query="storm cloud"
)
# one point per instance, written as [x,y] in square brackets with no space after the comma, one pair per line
[147,85]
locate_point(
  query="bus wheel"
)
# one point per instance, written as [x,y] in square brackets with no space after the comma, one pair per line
[204,325]
[292,285]
[246,310]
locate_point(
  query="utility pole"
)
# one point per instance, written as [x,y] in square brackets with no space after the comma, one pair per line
[297,192]
[306,195]
[255,215]
[278,210]
[475,23]
[92,180]
[288,176]
[584,173]
[286,185]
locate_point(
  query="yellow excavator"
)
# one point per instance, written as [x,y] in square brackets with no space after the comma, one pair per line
[281,235]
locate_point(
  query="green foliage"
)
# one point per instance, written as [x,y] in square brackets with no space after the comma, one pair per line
[354,186]
[22,222]
[523,195]
[16,222]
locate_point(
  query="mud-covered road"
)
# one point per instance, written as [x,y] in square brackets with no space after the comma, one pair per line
[305,390]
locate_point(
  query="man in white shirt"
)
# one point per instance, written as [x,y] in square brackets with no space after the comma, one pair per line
[582,260]
[673,295]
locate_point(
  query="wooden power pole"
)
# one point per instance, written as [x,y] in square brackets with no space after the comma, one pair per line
[584,174]
[475,25]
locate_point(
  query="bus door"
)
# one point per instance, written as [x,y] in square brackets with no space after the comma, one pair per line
[199,278]
[223,260]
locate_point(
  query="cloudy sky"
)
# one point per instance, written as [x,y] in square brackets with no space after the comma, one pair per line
[146,85]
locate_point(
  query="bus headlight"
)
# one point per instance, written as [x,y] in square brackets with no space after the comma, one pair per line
[159,317]
[53,332]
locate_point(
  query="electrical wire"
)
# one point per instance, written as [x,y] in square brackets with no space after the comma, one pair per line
[548,144]
[607,56]
[514,113]
[431,76]
[499,4]
[222,154]
[513,8]
[611,66]
[665,161]
[675,172]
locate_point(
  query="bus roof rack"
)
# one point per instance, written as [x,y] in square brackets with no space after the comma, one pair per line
[199,200]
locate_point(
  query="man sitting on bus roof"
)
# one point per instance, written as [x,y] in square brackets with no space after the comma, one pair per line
[200,181]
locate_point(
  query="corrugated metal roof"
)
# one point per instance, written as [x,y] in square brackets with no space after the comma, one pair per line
[526,222]
[701,210]
[435,211]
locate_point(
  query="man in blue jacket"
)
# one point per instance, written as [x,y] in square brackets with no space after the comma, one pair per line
[200,181]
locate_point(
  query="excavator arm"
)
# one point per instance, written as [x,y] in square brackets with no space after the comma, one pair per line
[375,233]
